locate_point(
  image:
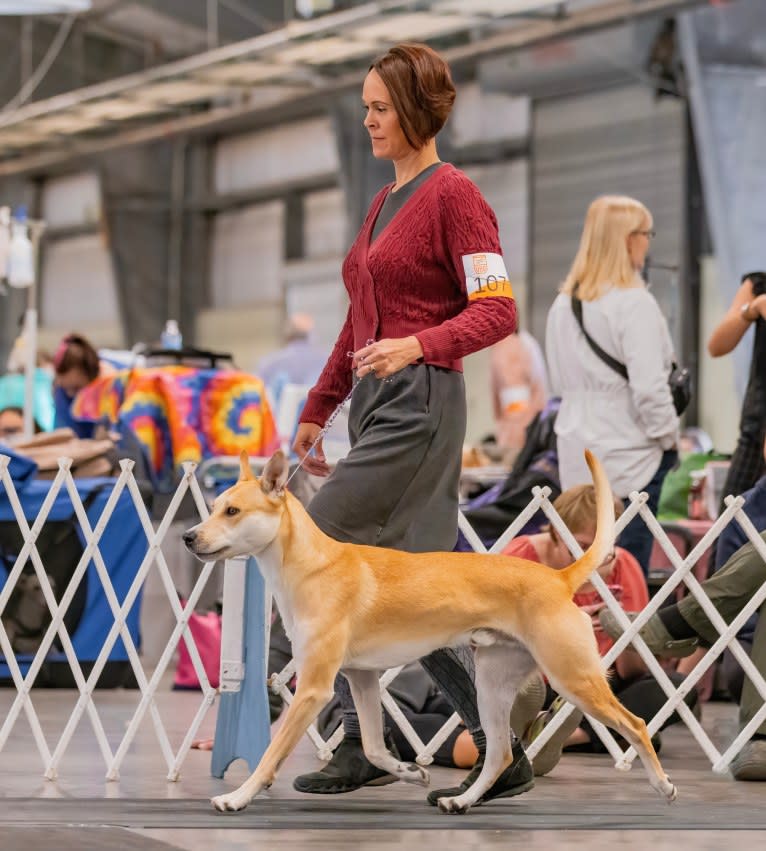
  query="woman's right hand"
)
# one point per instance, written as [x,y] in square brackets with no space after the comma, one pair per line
[304,438]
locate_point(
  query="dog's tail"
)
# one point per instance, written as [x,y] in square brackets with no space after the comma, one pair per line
[603,543]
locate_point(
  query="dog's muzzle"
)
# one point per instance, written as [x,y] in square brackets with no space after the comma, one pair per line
[189,537]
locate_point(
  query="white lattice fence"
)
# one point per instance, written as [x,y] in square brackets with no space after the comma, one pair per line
[154,560]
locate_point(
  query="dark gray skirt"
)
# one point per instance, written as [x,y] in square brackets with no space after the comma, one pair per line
[398,486]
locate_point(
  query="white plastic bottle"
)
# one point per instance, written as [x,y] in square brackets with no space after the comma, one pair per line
[21,259]
[171,336]
[5,241]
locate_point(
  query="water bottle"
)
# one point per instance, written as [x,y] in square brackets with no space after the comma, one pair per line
[21,255]
[171,336]
[697,508]
[5,240]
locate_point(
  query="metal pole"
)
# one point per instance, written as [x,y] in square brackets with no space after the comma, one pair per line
[26,50]
[212,24]
[30,364]
[30,336]
[175,241]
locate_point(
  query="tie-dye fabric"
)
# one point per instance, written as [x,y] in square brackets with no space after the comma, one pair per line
[181,413]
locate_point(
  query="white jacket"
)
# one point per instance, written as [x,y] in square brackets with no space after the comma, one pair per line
[627,424]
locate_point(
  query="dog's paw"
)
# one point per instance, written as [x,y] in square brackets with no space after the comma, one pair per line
[230,803]
[415,774]
[452,806]
[665,789]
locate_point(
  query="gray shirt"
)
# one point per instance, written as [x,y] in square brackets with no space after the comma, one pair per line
[396,200]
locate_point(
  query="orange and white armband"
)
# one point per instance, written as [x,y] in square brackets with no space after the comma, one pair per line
[486,277]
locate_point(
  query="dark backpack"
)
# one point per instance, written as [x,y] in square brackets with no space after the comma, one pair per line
[26,616]
[536,464]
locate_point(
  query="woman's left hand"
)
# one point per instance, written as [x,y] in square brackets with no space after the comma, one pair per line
[385,357]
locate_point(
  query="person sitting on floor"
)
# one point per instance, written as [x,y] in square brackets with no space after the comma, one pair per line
[12,425]
[732,538]
[636,689]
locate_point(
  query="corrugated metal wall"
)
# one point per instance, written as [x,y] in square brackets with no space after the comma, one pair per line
[615,141]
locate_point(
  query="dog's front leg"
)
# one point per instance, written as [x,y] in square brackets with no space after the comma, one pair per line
[365,690]
[314,690]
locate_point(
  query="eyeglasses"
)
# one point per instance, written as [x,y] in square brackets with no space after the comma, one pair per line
[649,234]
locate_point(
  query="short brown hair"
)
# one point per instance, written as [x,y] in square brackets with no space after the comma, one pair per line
[421,88]
[75,352]
[577,508]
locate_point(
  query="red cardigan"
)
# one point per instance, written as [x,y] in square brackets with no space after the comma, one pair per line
[412,281]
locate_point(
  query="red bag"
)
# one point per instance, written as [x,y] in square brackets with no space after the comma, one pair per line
[206,631]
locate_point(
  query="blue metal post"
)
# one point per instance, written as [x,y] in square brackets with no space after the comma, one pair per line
[242,728]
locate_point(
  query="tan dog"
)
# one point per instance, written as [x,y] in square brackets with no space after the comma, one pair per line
[363,609]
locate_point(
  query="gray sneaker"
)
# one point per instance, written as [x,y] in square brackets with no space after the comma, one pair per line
[654,633]
[550,754]
[750,762]
[528,704]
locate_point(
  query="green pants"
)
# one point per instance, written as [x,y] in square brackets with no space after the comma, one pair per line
[729,591]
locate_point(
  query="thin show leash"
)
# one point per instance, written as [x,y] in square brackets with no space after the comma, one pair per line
[333,416]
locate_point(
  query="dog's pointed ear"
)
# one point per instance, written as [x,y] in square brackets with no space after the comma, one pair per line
[275,473]
[245,470]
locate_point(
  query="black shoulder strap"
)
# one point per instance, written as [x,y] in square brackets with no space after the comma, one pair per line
[616,365]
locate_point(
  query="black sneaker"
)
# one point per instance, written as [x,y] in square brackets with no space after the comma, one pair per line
[515,780]
[348,769]
[276,705]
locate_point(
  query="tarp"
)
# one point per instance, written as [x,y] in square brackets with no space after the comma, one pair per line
[12,395]
[21,468]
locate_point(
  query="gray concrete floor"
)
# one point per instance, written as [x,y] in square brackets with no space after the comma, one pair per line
[583,802]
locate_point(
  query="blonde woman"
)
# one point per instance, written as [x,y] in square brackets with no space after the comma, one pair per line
[631,425]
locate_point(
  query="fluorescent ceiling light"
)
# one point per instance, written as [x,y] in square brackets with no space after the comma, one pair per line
[118,109]
[242,72]
[64,123]
[177,92]
[43,7]
[309,8]
[497,8]
[19,138]
[411,26]
[326,51]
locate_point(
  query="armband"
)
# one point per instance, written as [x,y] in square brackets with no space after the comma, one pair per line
[485,276]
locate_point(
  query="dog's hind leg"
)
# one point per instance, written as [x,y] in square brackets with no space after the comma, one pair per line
[574,671]
[365,690]
[314,690]
[502,669]
[599,702]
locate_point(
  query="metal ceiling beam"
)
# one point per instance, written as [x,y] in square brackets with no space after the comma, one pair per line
[200,61]
[220,119]
[106,19]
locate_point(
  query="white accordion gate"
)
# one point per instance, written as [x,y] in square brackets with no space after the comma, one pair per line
[232,629]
